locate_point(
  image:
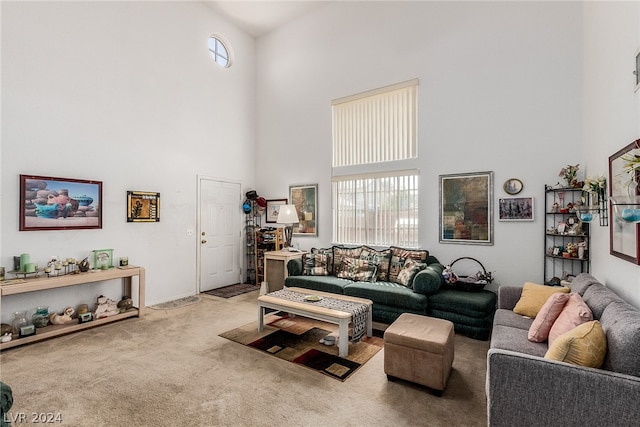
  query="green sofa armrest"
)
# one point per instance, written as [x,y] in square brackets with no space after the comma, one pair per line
[428,281]
[294,267]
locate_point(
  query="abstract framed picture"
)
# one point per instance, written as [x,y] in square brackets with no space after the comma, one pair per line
[466,208]
[143,206]
[49,203]
[273,209]
[305,198]
[624,237]
[515,209]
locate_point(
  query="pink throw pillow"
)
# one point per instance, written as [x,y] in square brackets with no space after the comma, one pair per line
[539,330]
[575,313]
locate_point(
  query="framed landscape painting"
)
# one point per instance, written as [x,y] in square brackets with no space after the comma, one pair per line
[466,208]
[48,203]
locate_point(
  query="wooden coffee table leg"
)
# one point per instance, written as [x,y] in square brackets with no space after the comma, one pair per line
[260,318]
[343,338]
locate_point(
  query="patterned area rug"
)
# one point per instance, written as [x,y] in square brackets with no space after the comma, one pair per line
[177,303]
[297,340]
[233,290]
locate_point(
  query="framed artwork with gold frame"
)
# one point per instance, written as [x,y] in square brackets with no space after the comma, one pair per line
[143,206]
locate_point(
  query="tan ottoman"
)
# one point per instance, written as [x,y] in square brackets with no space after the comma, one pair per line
[419,349]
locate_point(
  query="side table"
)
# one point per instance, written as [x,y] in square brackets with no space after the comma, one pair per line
[275,267]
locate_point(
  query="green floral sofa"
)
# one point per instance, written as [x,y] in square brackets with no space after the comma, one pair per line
[397,280]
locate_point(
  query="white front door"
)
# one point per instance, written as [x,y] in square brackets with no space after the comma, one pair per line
[219,234]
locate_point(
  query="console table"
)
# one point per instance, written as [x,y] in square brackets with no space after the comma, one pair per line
[275,269]
[20,286]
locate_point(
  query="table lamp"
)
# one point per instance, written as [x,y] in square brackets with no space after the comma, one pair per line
[287,216]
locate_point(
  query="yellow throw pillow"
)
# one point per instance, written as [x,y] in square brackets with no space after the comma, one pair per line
[533,298]
[584,345]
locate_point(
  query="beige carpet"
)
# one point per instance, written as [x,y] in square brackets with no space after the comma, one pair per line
[171,368]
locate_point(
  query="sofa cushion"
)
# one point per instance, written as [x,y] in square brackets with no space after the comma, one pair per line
[380,258]
[409,271]
[598,297]
[360,270]
[399,256]
[621,323]
[389,294]
[339,253]
[539,330]
[582,282]
[328,253]
[505,317]
[574,313]
[533,298]
[472,304]
[318,283]
[584,345]
[429,280]
[316,264]
[515,339]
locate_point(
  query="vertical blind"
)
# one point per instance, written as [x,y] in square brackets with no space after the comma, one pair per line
[376,126]
[376,209]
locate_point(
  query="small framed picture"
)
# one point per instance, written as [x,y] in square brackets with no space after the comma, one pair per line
[273,209]
[556,251]
[512,186]
[516,209]
[562,227]
[637,71]
[102,259]
[143,206]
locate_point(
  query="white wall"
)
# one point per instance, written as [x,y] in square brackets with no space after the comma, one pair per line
[500,90]
[125,93]
[611,117]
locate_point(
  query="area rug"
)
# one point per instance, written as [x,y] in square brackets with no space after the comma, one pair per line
[233,290]
[297,340]
[169,305]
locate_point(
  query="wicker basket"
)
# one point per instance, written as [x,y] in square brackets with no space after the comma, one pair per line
[470,283]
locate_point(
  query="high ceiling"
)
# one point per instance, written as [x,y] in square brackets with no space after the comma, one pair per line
[260,17]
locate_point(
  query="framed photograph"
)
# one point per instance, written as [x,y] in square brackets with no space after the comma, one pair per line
[102,259]
[466,208]
[512,186]
[48,203]
[143,206]
[624,237]
[305,198]
[273,209]
[637,72]
[515,209]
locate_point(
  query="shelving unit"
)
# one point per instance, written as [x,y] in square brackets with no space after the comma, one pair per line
[21,286]
[252,223]
[562,227]
[266,240]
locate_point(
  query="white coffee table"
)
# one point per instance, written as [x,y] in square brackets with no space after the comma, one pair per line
[341,318]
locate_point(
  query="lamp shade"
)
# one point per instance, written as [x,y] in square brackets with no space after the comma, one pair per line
[287,215]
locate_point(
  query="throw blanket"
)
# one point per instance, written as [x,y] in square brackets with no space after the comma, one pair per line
[359,312]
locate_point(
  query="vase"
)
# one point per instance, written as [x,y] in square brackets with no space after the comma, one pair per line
[19,320]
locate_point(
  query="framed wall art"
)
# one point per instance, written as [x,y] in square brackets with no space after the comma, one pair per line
[305,198]
[273,209]
[466,208]
[515,209]
[624,237]
[143,206]
[512,186]
[48,203]
[637,71]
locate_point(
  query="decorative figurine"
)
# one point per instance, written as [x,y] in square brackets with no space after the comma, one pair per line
[84,265]
[555,207]
[61,319]
[106,307]
[125,304]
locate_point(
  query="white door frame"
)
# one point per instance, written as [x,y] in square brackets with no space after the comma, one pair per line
[199,179]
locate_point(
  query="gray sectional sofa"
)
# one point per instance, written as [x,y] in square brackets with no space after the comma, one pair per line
[426,294]
[525,389]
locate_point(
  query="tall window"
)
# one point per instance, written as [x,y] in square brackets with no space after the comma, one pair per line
[377,126]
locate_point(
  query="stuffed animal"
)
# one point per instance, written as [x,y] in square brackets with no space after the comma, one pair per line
[106,307]
[449,275]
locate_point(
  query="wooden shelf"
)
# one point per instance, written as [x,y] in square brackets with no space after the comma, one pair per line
[44,283]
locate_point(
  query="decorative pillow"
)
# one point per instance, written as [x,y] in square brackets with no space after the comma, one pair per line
[340,253]
[575,313]
[328,252]
[399,256]
[539,330]
[380,259]
[409,271]
[358,270]
[533,298]
[584,345]
[316,264]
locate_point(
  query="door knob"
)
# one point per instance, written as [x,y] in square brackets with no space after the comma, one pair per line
[203,241]
[203,233]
